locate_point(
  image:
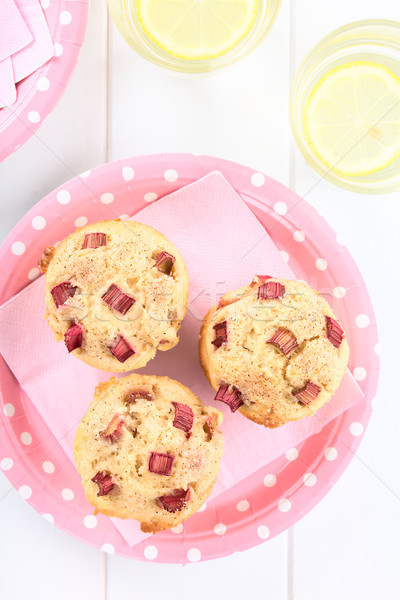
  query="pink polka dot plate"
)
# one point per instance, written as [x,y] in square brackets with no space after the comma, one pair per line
[38,94]
[278,495]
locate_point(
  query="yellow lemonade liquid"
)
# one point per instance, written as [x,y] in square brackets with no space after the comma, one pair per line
[345,107]
[352,118]
[196,29]
[193,35]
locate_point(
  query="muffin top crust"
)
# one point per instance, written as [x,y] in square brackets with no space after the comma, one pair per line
[148,449]
[273,350]
[116,292]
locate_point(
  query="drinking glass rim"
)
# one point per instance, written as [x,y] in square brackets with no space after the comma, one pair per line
[343,29]
[311,61]
[204,66]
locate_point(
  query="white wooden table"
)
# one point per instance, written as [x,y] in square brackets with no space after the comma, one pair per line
[118,105]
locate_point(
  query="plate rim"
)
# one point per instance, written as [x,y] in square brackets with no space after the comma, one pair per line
[12,138]
[344,459]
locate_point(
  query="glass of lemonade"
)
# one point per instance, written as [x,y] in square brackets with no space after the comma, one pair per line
[345,107]
[194,36]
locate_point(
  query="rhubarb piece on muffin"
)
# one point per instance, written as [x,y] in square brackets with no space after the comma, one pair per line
[273,350]
[148,449]
[116,292]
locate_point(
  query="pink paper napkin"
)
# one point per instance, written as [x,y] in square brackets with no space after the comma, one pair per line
[14,32]
[25,44]
[193,218]
[8,91]
[29,59]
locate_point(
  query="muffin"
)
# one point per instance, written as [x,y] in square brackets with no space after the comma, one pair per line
[148,449]
[116,292]
[273,350]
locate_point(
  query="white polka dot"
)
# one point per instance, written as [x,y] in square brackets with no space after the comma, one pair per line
[284,505]
[67,494]
[33,273]
[280,208]
[109,548]
[33,116]
[107,198]
[150,197]
[128,173]
[63,197]
[309,479]
[321,264]
[220,529]
[356,428]
[202,507]
[150,552]
[194,555]
[257,179]
[331,453]
[90,521]
[362,321]
[25,491]
[262,532]
[48,467]
[292,454]
[178,528]
[65,17]
[299,236]
[359,373]
[339,292]
[43,84]
[170,175]
[26,438]
[6,464]
[124,217]
[81,222]
[284,255]
[242,505]
[38,223]
[58,49]
[18,248]
[45,4]
[48,517]
[269,480]
[377,349]
[9,410]
[85,174]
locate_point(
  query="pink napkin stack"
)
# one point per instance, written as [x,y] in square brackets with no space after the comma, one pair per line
[216,234]
[25,44]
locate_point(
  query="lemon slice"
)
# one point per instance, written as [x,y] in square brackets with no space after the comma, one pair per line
[196,29]
[352,118]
